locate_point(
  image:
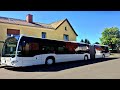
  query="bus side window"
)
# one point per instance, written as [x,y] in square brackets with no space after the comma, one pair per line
[45,50]
[60,50]
[26,50]
[34,48]
[52,49]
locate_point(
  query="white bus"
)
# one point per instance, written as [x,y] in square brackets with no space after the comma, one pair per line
[27,51]
[101,51]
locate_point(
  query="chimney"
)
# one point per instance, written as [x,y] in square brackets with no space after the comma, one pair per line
[29,18]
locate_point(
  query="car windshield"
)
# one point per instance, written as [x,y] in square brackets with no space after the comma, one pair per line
[9,47]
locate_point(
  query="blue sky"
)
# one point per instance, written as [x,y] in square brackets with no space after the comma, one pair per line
[87,24]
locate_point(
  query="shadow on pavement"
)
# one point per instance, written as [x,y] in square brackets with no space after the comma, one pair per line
[58,66]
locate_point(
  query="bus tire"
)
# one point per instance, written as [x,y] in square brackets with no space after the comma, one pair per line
[86,57]
[50,61]
[103,56]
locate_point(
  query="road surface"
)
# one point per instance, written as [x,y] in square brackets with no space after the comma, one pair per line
[93,69]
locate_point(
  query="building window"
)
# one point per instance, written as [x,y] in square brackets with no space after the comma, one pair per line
[43,34]
[13,32]
[65,28]
[66,37]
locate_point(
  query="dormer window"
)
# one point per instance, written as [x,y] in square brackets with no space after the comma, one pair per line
[65,28]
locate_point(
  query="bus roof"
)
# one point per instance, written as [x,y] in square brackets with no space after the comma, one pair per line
[100,45]
[52,39]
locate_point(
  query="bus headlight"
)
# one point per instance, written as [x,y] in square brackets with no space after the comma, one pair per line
[14,62]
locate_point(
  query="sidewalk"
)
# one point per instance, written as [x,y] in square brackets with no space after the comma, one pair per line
[115,55]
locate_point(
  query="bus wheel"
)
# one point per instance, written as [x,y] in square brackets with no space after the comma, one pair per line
[85,57]
[49,61]
[103,56]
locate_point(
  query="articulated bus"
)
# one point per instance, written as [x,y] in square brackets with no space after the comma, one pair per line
[27,51]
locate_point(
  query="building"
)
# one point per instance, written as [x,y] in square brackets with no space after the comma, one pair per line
[60,30]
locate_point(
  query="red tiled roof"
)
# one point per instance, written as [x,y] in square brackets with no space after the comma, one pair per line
[23,22]
[53,25]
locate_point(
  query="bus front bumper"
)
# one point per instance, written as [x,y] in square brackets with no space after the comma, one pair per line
[6,61]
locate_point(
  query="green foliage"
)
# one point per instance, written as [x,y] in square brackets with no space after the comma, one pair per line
[82,40]
[97,43]
[110,35]
[85,41]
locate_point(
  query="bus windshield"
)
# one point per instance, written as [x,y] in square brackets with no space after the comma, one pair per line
[9,47]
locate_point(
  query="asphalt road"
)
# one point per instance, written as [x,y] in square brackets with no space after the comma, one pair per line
[93,69]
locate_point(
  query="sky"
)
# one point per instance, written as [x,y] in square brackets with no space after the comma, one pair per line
[87,24]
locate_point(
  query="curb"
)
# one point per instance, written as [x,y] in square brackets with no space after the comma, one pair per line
[1,66]
[115,56]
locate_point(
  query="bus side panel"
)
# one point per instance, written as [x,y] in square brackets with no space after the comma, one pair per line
[107,54]
[66,57]
[19,63]
[45,56]
[98,55]
[70,57]
[61,58]
[29,61]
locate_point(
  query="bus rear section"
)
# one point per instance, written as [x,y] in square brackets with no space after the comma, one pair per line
[99,51]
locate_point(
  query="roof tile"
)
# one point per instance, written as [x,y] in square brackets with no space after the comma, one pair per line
[35,24]
[53,25]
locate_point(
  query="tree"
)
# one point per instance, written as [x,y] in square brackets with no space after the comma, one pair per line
[87,41]
[82,40]
[97,43]
[110,36]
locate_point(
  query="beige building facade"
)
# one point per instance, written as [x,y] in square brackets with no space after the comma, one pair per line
[59,30]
